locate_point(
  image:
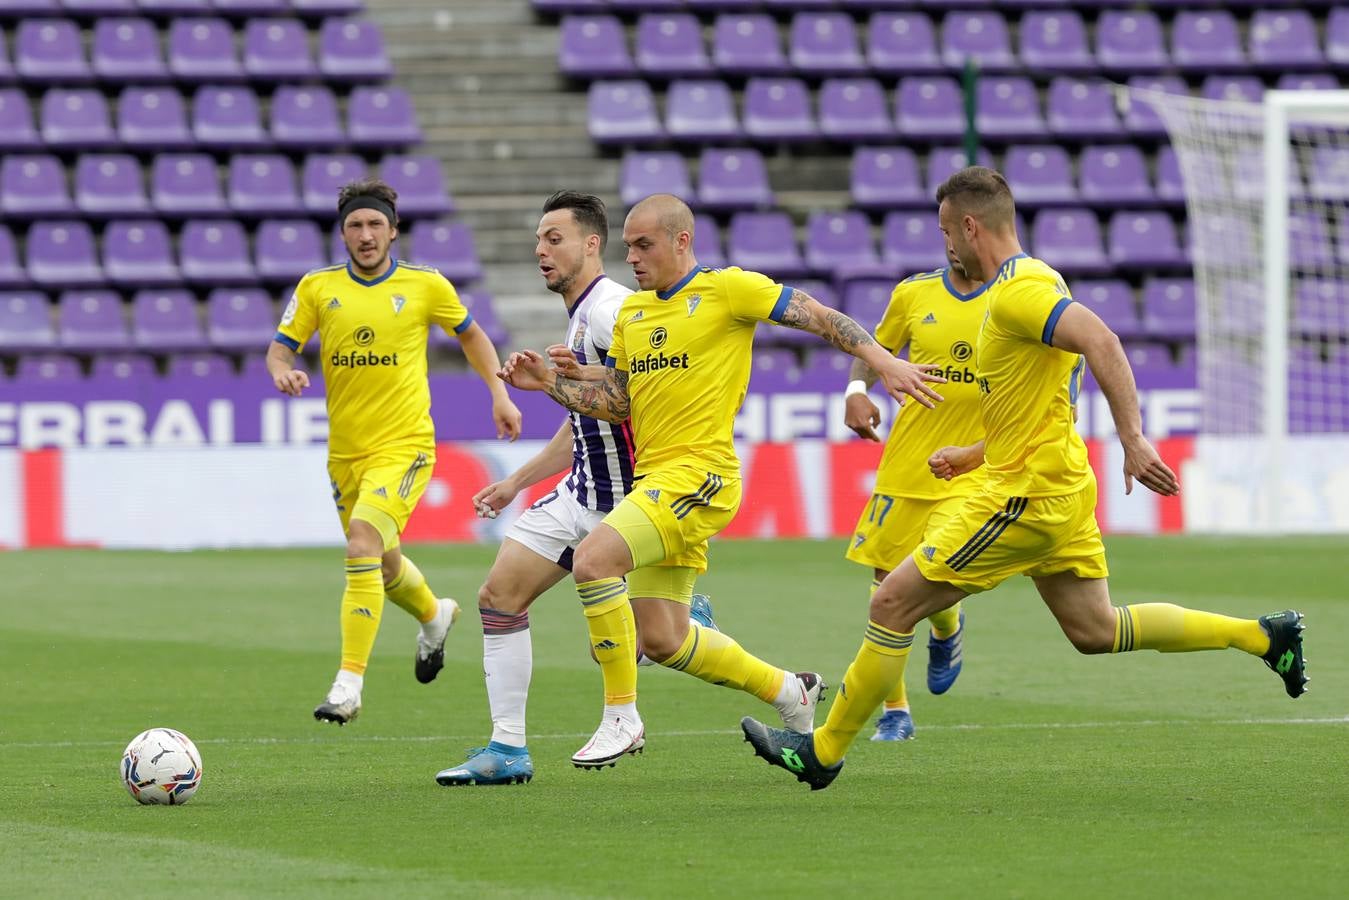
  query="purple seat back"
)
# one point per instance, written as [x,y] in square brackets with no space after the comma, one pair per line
[263,184]
[305,117]
[1318,309]
[227,118]
[287,248]
[210,366]
[733,179]
[61,254]
[449,247]
[884,177]
[122,367]
[593,47]
[382,117]
[1081,109]
[109,184]
[323,177]
[48,368]
[25,321]
[17,132]
[1113,301]
[748,45]
[671,45]
[1069,240]
[139,253]
[1040,174]
[707,245]
[981,36]
[1241,87]
[127,49]
[701,110]
[50,50]
[902,42]
[764,242]
[1130,41]
[1113,174]
[215,252]
[153,118]
[277,50]
[75,119]
[929,108]
[93,320]
[353,50]
[1206,41]
[622,112]
[659,172]
[186,184]
[1145,240]
[202,50]
[1284,38]
[1170,184]
[1055,41]
[420,184]
[943,162]
[912,242]
[164,320]
[824,43]
[838,240]
[866,299]
[1141,117]
[239,318]
[1169,308]
[778,109]
[1008,108]
[33,184]
[854,109]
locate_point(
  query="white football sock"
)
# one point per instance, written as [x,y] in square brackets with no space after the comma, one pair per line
[508,663]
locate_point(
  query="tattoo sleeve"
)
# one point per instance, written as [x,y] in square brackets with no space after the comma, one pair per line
[806,313]
[607,399]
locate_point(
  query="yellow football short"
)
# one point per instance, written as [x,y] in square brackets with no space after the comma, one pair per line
[680,506]
[993,537]
[382,488]
[889,527]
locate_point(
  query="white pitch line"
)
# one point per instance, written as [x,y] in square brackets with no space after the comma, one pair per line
[970,726]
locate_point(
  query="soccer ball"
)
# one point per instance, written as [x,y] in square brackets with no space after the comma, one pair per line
[161,766]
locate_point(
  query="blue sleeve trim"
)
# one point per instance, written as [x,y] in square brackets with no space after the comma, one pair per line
[611,362]
[463,326]
[287,341]
[1047,336]
[781,306]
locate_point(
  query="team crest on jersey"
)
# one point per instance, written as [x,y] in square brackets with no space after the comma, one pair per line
[694,300]
[399,301]
[579,340]
[654,494]
[334,303]
[291,308]
[929,319]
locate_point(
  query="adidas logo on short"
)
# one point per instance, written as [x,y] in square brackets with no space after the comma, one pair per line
[929,552]
[654,494]
[381,492]
[858,540]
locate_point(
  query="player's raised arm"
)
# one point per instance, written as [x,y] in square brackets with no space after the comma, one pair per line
[481,354]
[1079,330]
[605,399]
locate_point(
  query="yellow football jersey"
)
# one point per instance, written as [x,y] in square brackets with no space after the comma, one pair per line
[687,352]
[373,337]
[1028,387]
[940,325]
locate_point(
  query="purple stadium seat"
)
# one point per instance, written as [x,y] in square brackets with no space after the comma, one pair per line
[122,367]
[764,242]
[1318,308]
[1130,41]
[733,179]
[778,109]
[943,162]
[901,43]
[866,299]
[227,118]
[16,122]
[1240,87]
[277,50]
[1144,240]
[1141,117]
[420,184]
[671,46]
[1307,81]
[1337,37]
[152,119]
[1040,174]
[659,172]
[209,366]
[1206,41]
[1310,247]
[449,247]
[1284,39]
[1113,301]
[1222,240]
[324,175]
[92,320]
[239,318]
[1328,174]
[25,321]
[748,45]
[33,185]
[853,110]
[305,117]
[1115,174]
[215,252]
[838,240]
[824,43]
[825,369]
[1170,186]
[707,248]
[48,368]
[622,112]
[593,47]
[352,50]
[186,184]
[382,117]
[702,110]
[75,119]
[287,248]
[1154,368]
[263,184]
[165,320]
[1069,240]
[61,254]
[1169,308]
[12,274]
[50,51]
[980,36]
[912,242]
[929,108]
[885,177]
[480,306]
[1082,109]
[1008,109]
[127,50]
[770,367]
[139,253]
[202,50]
[1055,41]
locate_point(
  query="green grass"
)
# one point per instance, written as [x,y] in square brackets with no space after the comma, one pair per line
[1043,773]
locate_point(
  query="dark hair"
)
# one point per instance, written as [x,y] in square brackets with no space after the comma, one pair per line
[980,192]
[586,209]
[368,187]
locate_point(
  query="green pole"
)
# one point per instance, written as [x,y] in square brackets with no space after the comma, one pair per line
[969,79]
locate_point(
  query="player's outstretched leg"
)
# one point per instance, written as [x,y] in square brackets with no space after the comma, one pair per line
[409,590]
[362,604]
[494,764]
[791,751]
[945,647]
[896,721]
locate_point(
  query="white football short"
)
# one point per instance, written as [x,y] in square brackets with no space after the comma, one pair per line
[554,525]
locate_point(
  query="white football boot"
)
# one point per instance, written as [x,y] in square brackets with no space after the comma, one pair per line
[431,641]
[798,712]
[611,741]
[342,704]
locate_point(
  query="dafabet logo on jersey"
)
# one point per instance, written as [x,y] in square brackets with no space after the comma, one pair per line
[656,362]
[363,336]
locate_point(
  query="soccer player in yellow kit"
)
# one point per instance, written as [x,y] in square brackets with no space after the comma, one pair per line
[679,363]
[372,315]
[1035,513]
[937,316]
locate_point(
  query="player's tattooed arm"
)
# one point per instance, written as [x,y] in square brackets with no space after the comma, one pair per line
[606,399]
[808,314]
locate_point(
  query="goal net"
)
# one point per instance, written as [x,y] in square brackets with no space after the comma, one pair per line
[1267,196]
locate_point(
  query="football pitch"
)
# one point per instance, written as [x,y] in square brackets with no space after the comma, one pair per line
[1041,774]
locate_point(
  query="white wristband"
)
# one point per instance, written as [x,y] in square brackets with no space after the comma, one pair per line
[855,387]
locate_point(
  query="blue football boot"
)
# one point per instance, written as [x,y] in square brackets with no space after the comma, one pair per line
[894,725]
[944,659]
[493,764]
[700,611]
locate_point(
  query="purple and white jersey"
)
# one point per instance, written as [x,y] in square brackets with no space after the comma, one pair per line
[602,452]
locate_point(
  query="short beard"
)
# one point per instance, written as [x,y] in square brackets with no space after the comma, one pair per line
[360,268]
[563,284]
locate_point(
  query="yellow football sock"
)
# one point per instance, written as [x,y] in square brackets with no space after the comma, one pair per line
[899,697]
[717,659]
[409,590]
[946,622]
[362,604]
[613,636]
[878,664]
[1174,629]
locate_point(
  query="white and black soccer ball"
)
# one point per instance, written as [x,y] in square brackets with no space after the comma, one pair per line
[161,766]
